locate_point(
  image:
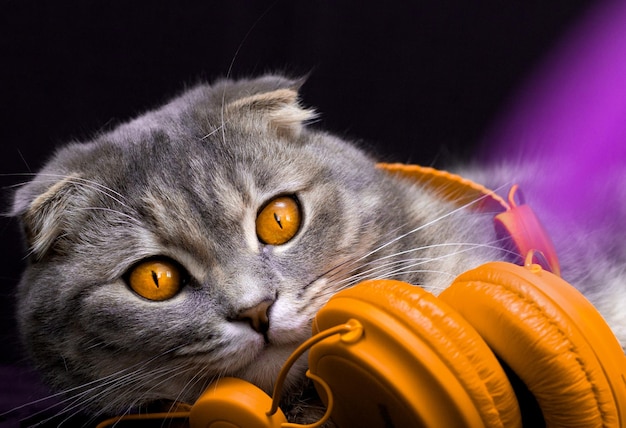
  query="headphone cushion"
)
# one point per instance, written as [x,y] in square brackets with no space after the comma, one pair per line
[454,340]
[522,320]
[232,402]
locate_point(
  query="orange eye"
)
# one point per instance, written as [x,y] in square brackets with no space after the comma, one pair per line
[156,279]
[278,221]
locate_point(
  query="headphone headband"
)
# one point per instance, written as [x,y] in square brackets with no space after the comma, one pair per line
[515,221]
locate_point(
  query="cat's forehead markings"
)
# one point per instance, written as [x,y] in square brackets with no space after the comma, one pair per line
[171,215]
[231,198]
[248,192]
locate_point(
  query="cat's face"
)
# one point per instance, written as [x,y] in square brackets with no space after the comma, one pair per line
[185,185]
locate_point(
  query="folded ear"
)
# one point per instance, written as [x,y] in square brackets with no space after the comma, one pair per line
[278,110]
[46,211]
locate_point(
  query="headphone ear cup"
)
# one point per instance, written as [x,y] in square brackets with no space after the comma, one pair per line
[231,403]
[435,334]
[551,337]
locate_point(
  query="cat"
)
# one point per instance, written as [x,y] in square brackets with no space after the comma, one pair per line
[185,185]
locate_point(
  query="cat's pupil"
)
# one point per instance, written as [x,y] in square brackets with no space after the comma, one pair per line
[155,278]
[277,218]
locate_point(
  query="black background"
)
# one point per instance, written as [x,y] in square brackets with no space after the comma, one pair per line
[414,81]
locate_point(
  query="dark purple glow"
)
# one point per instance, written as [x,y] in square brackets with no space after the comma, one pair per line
[572,113]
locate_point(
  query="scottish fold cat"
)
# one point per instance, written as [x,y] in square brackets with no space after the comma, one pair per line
[199,240]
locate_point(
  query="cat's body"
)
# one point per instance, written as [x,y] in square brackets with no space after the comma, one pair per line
[186,182]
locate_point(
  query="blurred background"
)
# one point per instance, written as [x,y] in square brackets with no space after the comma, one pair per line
[412,81]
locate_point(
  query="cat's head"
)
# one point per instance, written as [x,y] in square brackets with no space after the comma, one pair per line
[188,186]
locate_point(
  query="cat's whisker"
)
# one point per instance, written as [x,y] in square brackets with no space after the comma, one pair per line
[219,128]
[92,343]
[135,379]
[433,246]
[393,274]
[166,375]
[194,380]
[134,222]
[374,271]
[65,392]
[397,238]
[74,404]
[338,269]
[234,59]
[90,184]
[376,262]
[139,378]
[438,272]
[397,268]
[420,228]
[74,401]
[75,397]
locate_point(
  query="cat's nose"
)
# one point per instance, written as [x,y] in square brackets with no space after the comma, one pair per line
[257,316]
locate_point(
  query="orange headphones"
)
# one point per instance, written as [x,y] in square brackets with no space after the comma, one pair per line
[388,354]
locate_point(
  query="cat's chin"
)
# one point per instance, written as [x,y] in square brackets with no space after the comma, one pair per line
[264,370]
